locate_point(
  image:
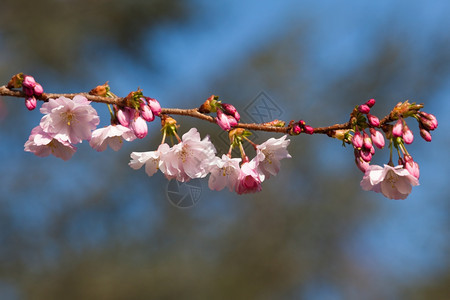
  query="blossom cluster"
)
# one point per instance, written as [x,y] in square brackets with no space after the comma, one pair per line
[394,182]
[29,86]
[70,120]
[193,158]
[66,122]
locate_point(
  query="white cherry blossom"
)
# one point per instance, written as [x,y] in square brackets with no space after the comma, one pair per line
[393,182]
[224,173]
[269,154]
[112,135]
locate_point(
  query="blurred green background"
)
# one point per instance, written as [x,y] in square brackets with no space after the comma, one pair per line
[93,228]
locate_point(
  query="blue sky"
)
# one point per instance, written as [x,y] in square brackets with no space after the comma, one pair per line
[406,236]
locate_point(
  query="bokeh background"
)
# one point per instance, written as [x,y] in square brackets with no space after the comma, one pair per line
[93,228]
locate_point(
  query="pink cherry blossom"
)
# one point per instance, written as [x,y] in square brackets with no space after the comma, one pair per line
[269,154]
[249,180]
[224,173]
[393,182]
[43,144]
[191,158]
[112,135]
[151,159]
[67,119]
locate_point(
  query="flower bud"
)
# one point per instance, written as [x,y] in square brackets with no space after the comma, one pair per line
[38,90]
[361,164]
[31,103]
[123,116]
[146,113]
[357,140]
[222,120]
[366,155]
[296,129]
[411,166]
[425,134]
[231,110]
[370,102]
[373,120]
[408,136]
[100,90]
[28,82]
[377,138]
[367,141]
[154,106]
[364,109]
[429,121]
[139,127]
[233,122]
[308,129]
[397,130]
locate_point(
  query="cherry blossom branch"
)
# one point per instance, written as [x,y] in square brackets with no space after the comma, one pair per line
[69,118]
[193,112]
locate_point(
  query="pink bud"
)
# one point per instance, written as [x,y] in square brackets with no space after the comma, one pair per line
[408,136]
[222,120]
[364,109]
[231,110]
[361,164]
[233,122]
[31,103]
[296,129]
[28,82]
[308,129]
[38,90]
[146,113]
[429,121]
[367,141]
[139,127]
[377,138]
[425,134]
[366,155]
[154,106]
[123,116]
[370,102]
[412,167]
[373,120]
[357,140]
[397,130]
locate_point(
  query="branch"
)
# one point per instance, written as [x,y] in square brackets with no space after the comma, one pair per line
[193,112]
[56,134]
